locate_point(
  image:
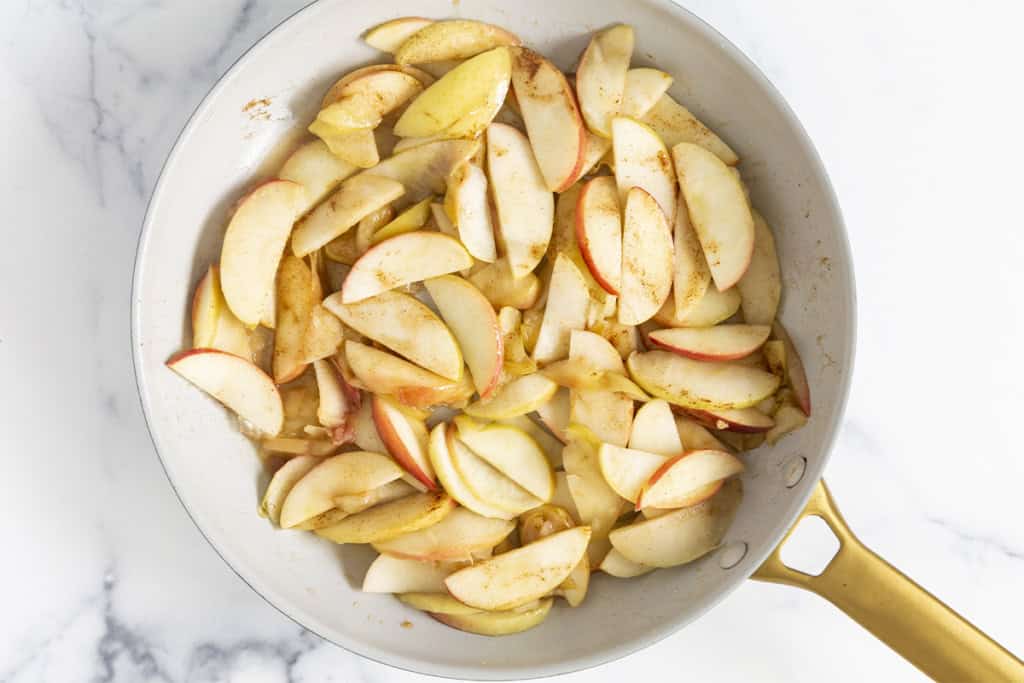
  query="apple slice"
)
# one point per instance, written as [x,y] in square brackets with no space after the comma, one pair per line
[599,231]
[616,564]
[681,536]
[456,537]
[477,84]
[413,218]
[389,36]
[282,482]
[394,575]
[691,276]
[795,374]
[437,603]
[674,484]
[423,170]
[295,301]
[357,147]
[253,244]
[383,373]
[516,361]
[601,77]
[339,475]
[235,382]
[337,90]
[355,199]
[644,87]
[647,259]
[412,257]
[712,308]
[406,326]
[497,623]
[595,152]
[486,482]
[391,520]
[338,402]
[214,326]
[555,413]
[475,325]
[596,503]
[746,420]
[642,160]
[441,458]
[364,430]
[319,171]
[467,206]
[607,414]
[695,436]
[549,444]
[566,310]
[497,283]
[520,576]
[361,103]
[761,285]
[719,210]
[698,384]
[724,342]
[674,124]
[294,446]
[627,470]
[452,39]
[654,430]
[552,119]
[512,452]
[405,438]
[518,397]
[788,418]
[524,205]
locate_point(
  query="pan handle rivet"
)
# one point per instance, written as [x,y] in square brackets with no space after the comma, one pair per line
[793,470]
[730,555]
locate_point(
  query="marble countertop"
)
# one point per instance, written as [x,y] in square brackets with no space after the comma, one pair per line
[916,110]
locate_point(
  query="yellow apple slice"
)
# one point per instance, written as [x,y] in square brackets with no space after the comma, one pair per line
[451,479]
[644,87]
[497,623]
[319,171]
[616,564]
[524,205]
[339,475]
[512,452]
[394,575]
[405,437]
[601,77]
[553,121]
[647,259]
[456,537]
[654,430]
[549,444]
[518,397]
[364,430]
[390,520]
[355,199]
[642,160]
[413,218]
[517,361]
[383,373]
[761,285]
[497,283]
[357,147]
[676,482]
[467,205]
[295,301]
[486,482]
[478,84]
[795,374]
[475,325]
[362,103]
[555,413]
[674,124]
[253,244]
[412,257]
[294,446]
[599,231]
[566,310]
[690,276]
[357,502]
[607,414]
[683,535]
[436,603]
[282,482]
[390,35]
[720,343]
[424,170]
[719,210]
[698,384]
[453,39]
[627,470]
[338,89]
[214,326]
[520,576]
[235,382]
[712,308]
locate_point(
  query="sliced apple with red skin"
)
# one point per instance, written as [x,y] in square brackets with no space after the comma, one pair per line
[362,102]
[723,342]
[497,283]
[391,520]
[453,39]
[566,310]
[319,171]
[647,259]
[761,285]
[674,124]
[441,447]
[389,36]
[599,231]
[719,211]
[412,257]
[253,244]
[795,373]
[214,326]
[512,452]
[282,482]
[524,204]
[394,575]
[555,413]
[520,576]
[601,77]
[486,482]
[383,373]
[519,397]
[642,160]
[654,430]
[609,415]
[337,90]
[674,484]
[690,277]
[423,170]
[552,118]
[644,87]
[712,308]
[236,383]
[699,384]
[745,420]
[406,326]
[456,537]
[497,623]
[468,208]
[627,470]
[355,199]
[406,439]
[681,536]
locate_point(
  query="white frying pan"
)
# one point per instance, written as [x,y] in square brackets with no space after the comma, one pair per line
[232,140]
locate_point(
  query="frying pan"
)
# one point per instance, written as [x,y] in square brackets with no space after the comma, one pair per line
[237,136]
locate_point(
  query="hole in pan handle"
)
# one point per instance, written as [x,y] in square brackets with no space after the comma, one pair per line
[900,613]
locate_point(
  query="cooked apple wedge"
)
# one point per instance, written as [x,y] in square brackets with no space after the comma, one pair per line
[524,204]
[253,244]
[555,413]
[697,384]
[549,443]
[394,575]
[788,418]
[437,603]
[214,326]
[644,87]
[357,147]
[681,536]
[719,210]
[475,325]
[405,437]
[319,171]
[596,503]
[647,259]
[412,257]
[747,420]
[467,206]
[695,436]
[338,402]
[522,575]
[607,414]
[237,383]
[599,231]
[627,470]
[512,452]
[406,326]
[442,438]
[517,361]
[642,160]
[390,520]
[355,199]
[294,446]
[674,124]
[453,39]
[761,285]
[795,374]
[601,77]
[389,36]
[618,565]
[486,482]
[518,397]
[383,373]
[456,537]
[362,102]
[674,484]
[338,89]
[690,277]
[553,121]
[357,502]
[654,430]
[336,476]
[423,170]
[497,623]
[566,310]
[364,430]
[595,152]
[723,342]
[282,482]
[501,288]
[295,301]
[712,308]
[413,218]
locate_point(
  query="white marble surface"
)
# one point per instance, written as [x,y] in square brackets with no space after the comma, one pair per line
[916,109]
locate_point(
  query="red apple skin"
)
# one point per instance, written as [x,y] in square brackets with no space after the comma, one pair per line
[584,243]
[710,419]
[653,341]
[396,448]
[699,496]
